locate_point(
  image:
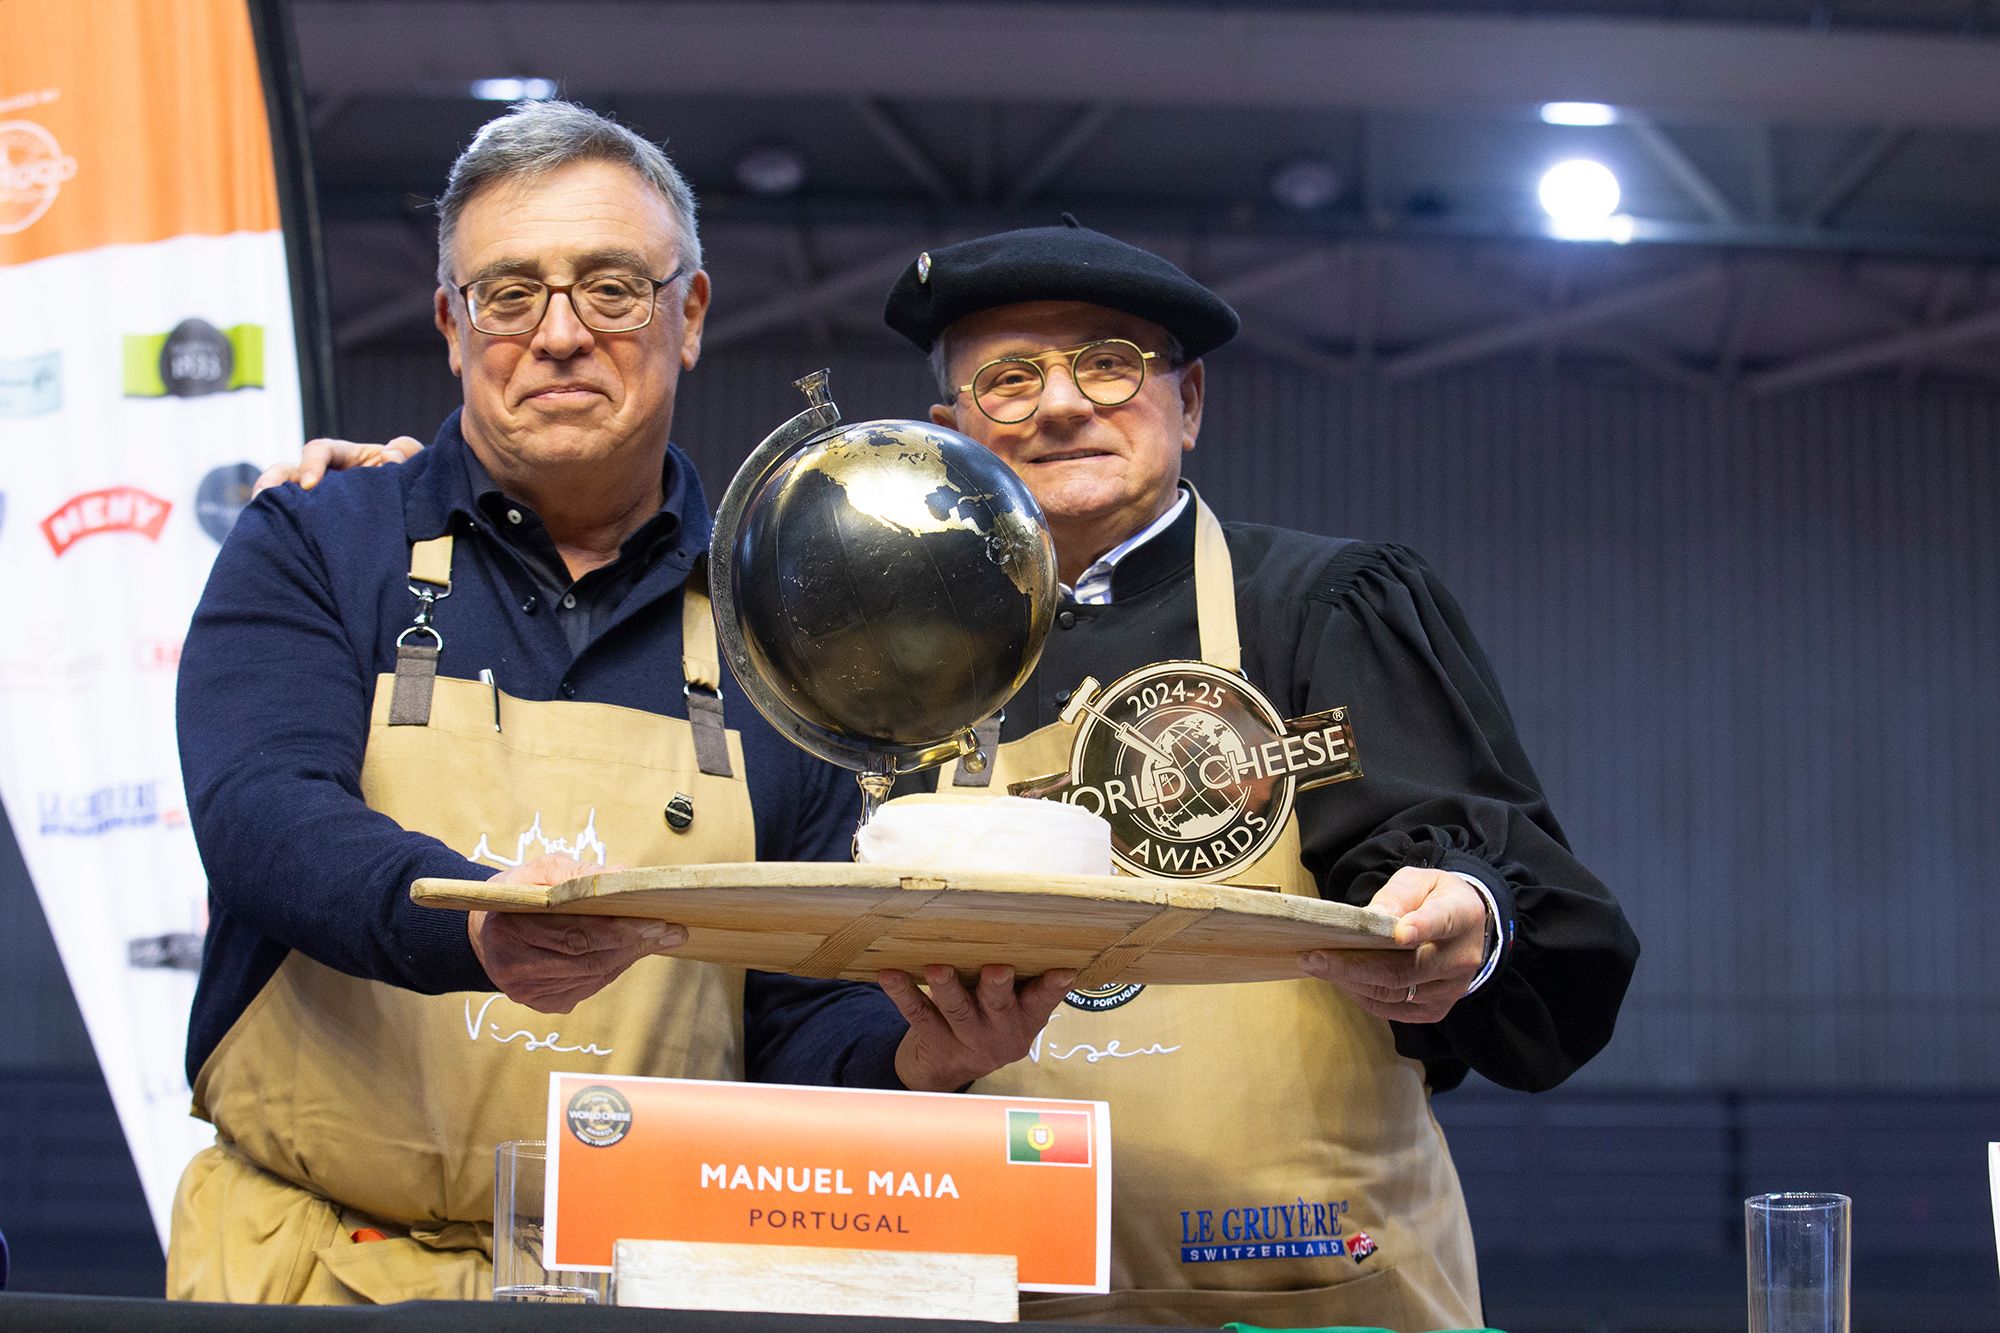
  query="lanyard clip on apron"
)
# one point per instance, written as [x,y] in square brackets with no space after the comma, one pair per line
[416,663]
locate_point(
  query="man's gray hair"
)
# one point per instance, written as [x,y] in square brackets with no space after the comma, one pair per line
[940,357]
[535,138]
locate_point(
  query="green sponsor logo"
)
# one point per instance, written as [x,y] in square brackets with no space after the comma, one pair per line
[194,358]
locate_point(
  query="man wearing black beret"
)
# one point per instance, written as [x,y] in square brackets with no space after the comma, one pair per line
[1276,1159]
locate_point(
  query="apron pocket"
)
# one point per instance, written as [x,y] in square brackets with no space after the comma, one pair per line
[382,1272]
[241,1234]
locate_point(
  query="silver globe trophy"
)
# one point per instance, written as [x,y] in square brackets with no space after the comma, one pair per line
[880,589]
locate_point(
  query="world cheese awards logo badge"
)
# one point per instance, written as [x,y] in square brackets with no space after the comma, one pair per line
[1192,767]
[599,1116]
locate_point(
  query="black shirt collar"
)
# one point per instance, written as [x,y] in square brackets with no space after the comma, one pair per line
[1168,554]
[446,481]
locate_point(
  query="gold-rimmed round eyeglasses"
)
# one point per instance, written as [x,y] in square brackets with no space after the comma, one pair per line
[603,302]
[1108,372]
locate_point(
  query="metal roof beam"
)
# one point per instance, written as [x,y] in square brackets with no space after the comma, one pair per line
[1264,56]
[906,150]
[1284,274]
[1674,159]
[1287,346]
[1747,289]
[870,279]
[1529,329]
[1060,151]
[1980,326]
[1873,154]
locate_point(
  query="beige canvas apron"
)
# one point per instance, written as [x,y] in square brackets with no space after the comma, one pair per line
[341,1103]
[1254,1117]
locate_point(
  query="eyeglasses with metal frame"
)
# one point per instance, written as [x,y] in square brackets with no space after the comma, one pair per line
[1109,371]
[603,302]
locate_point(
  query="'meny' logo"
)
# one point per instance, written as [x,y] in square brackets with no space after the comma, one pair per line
[119,509]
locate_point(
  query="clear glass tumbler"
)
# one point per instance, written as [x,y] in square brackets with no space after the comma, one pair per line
[1798,1248]
[520,1169]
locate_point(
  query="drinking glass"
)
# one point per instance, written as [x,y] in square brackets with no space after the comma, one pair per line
[1798,1249]
[520,1169]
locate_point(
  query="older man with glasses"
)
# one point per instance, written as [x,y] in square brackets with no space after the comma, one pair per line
[1275,1157]
[498,658]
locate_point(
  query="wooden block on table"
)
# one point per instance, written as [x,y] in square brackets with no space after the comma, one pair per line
[806,1279]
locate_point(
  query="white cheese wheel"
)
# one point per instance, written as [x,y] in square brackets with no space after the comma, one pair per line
[963,832]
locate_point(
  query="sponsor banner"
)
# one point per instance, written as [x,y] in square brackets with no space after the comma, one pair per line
[221,497]
[114,509]
[758,1164]
[30,386]
[134,162]
[33,167]
[127,122]
[43,656]
[192,359]
[94,813]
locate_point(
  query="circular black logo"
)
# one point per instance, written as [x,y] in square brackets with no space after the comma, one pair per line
[1172,757]
[196,359]
[599,1116]
[221,496]
[1100,999]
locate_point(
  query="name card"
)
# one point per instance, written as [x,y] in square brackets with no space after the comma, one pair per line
[752,1163]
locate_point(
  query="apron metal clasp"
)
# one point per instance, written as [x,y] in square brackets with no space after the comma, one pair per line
[428,595]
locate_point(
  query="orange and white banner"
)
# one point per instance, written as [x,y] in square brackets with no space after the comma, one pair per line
[146,356]
[758,1164]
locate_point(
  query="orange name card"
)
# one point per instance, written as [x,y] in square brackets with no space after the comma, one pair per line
[682,1159]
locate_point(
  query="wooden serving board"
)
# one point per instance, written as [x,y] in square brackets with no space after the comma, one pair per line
[825,919]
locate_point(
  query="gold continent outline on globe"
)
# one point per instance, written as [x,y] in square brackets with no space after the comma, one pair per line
[891,474]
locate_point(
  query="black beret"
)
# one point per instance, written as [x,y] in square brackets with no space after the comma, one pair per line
[1065,263]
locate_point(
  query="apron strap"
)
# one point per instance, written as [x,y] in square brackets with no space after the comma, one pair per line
[416,662]
[410,696]
[987,733]
[701,666]
[1214,590]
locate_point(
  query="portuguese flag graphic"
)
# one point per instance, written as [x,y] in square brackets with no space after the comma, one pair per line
[1060,1138]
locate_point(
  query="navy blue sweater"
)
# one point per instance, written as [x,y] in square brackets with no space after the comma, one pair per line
[298,621]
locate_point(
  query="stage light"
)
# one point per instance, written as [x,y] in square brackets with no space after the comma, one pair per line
[1581,199]
[513,90]
[1304,183]
[771,170]
[1579,113]
[1579,191]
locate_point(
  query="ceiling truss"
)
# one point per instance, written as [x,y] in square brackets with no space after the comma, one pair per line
[1794,228]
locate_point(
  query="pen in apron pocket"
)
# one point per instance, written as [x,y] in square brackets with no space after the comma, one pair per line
[486,679]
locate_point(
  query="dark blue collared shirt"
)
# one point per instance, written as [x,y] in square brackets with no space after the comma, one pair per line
[300,618]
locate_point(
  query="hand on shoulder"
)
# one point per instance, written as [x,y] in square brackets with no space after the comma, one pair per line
[320,457]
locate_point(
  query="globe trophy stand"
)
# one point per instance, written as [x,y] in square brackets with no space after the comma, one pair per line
[879,589]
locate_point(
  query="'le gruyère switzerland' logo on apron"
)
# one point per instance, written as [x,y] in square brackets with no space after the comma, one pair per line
[1192,767]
